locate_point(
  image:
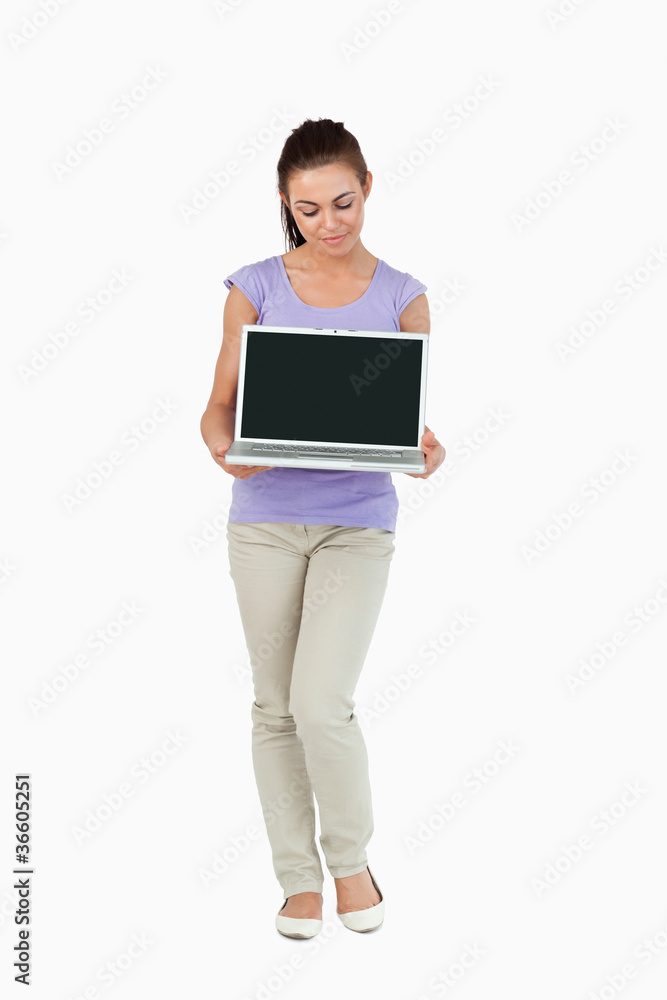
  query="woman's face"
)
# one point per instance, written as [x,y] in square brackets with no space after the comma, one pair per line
[328,202]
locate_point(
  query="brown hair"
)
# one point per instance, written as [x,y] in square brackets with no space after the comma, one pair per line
[315,144]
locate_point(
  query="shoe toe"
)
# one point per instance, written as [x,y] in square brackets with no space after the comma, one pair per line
[363,920]
[298,927]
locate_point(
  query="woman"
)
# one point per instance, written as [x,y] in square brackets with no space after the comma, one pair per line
[310,549]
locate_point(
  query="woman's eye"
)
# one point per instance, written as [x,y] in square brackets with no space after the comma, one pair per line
[308,214]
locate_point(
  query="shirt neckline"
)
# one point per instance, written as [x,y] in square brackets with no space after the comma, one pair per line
[328,308]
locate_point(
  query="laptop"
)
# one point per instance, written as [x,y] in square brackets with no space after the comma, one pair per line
[330,399]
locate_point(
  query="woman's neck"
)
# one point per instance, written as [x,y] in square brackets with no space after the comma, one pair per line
[358,260]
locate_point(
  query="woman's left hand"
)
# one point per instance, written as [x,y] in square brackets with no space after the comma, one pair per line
[434,455]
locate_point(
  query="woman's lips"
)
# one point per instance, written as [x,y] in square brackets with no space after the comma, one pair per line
[333,239]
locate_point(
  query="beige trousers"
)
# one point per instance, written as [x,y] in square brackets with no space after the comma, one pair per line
[309,597]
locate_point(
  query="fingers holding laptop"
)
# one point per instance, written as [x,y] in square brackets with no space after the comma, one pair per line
[434,455]
[219,450]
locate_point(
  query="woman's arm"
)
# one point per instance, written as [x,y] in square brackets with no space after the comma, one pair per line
[217,422]
[416,318]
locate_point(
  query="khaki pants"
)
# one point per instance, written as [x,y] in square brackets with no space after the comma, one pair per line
[309,597]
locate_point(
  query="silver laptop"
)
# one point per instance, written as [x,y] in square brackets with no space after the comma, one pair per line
[330,399]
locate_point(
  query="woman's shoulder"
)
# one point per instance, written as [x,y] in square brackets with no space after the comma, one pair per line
[400,287]
[393,274]
[391,280]
[258,271]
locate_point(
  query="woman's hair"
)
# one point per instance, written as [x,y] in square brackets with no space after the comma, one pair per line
[315,144]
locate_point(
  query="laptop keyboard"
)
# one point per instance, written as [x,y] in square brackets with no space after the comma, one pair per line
[308,449]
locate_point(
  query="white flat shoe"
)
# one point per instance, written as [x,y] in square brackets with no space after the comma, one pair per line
[298,927]
[368,919]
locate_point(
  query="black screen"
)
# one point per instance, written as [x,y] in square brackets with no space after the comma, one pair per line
[323,387]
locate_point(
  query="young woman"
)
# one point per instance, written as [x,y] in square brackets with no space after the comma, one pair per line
[310,549]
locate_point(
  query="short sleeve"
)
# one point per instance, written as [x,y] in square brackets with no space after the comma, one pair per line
[246,279]
[410,289]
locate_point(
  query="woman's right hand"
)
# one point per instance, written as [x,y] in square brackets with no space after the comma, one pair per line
[219,450]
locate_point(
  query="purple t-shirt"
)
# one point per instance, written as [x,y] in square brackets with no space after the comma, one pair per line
[357,499]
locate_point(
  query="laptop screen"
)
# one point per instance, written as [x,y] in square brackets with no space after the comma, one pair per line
[332,388]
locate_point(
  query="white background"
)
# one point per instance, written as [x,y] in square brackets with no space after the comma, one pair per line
[495,877]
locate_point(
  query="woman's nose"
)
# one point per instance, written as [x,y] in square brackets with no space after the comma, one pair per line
[330,220]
